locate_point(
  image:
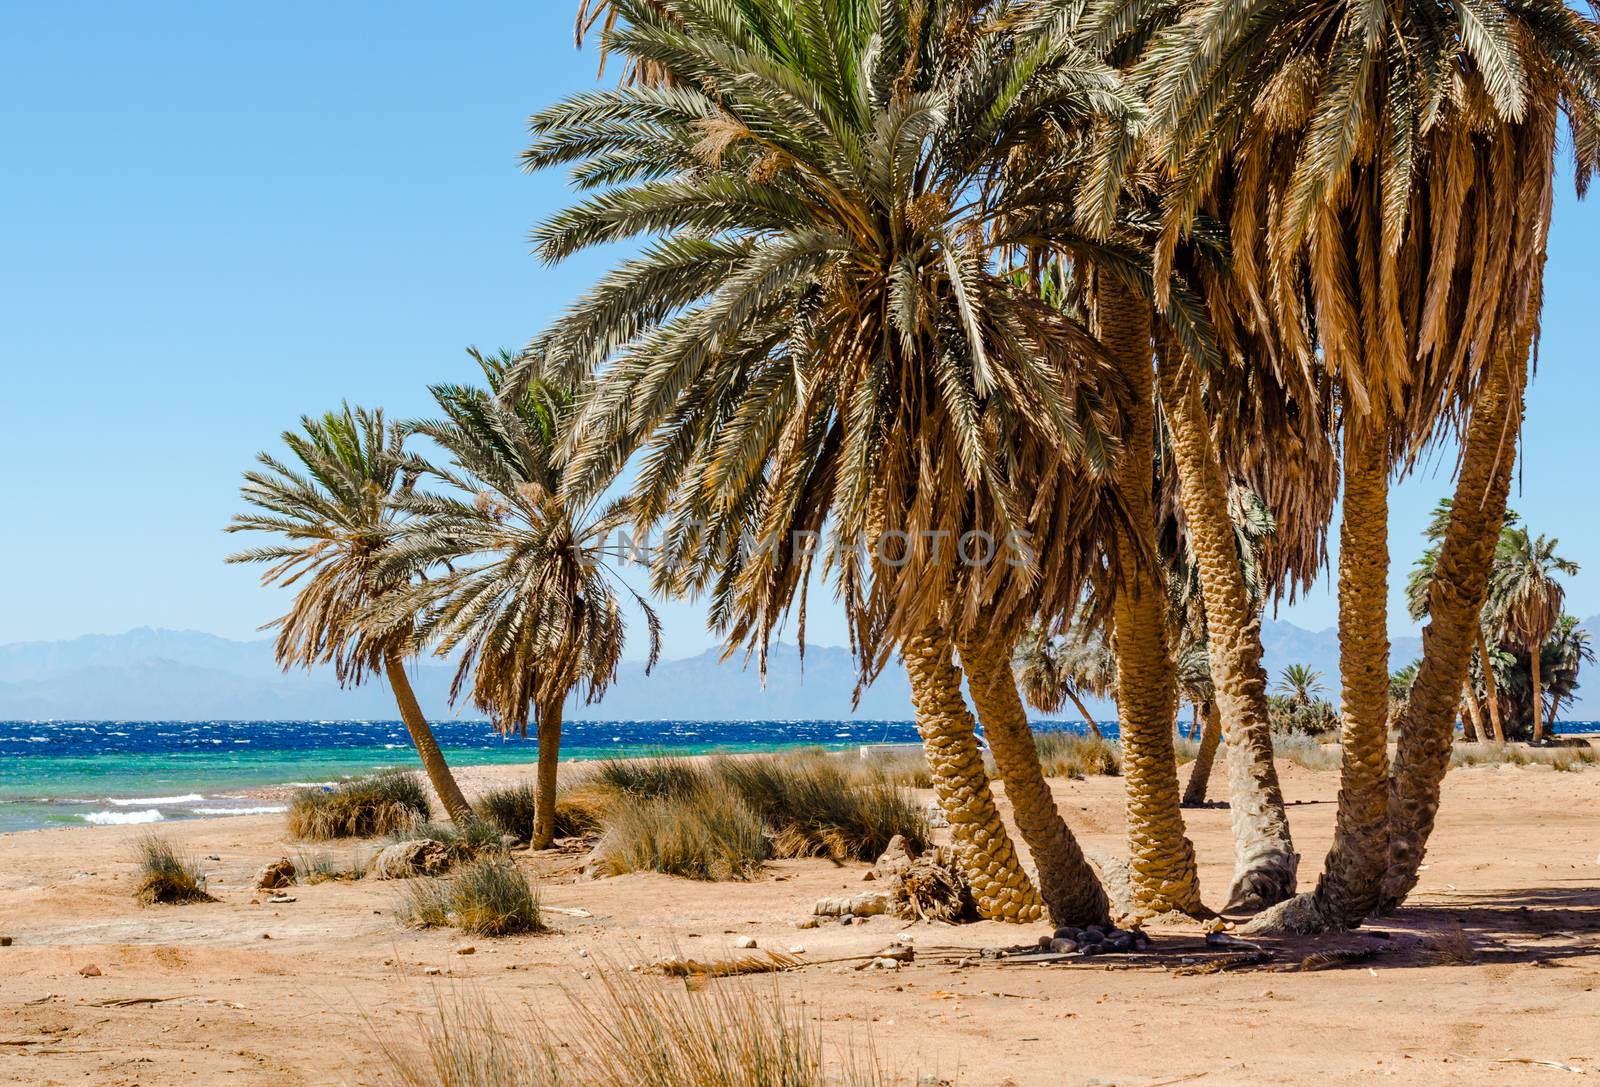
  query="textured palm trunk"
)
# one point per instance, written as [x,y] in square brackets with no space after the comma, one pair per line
[544,800]
[1000,887]
[433,764]
[1491,689]
[1538,696]
[1195,718]
[1265,862]
[1455,599]
[1194,793]
[1069,886]
[1161,864]
[1353,872]
[1094,726]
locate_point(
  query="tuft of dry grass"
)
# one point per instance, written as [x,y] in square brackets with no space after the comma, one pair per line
[906,769]
[628,1031]
[166,876]
[480,839]
[579,806]
[701,834]
[1077,756]
[363,807]
[1306,751]
[322,867]
[1449,948]
[488,897]
[1494,754]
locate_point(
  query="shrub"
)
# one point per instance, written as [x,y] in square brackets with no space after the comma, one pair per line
[699,834]
[578,808]
[1074,755]
[629,1031]
[1305,751]
[813,806]
[1314,718]
[489,897]
[479,839]
[651,778]
[167,876]
[360,808]
[1493,754]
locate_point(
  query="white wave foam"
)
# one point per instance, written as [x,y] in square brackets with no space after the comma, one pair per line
[133,802]
[122,818]
[265,809]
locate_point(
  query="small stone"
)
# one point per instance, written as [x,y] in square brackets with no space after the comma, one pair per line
[847,919]
[1045,941]
[809,922]
[745,942]
[90,971]
[5,941]
[212,857]
[278,900]
[797,950]
[1067,932]
[266,935]
[1122,942]
[432,971]
[1063,947]
[905,938]
[468,950]
[887,964]
[868,876]
[1092,935]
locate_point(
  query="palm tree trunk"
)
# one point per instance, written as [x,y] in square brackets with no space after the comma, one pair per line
[1069,886]
[1455,599]
[1538,696]
[433,764]
[1194,721]
[1161,858]
[544,800]
[1472,725]
[1194,793]
[1491,689]
[1348,888]
[1000,887]
[1094,726]
[1265,862]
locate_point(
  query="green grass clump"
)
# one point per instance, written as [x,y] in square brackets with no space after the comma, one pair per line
[166,876]
[699,834]
[364,807]
[488,897]
[625,1031]
[812,805]
[647,779]
[1075,755]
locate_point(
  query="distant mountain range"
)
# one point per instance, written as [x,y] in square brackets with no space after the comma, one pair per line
[176,675]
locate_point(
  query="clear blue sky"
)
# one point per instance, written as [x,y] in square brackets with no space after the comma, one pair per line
[215,217]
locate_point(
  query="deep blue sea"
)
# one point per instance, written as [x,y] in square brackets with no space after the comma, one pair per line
[64,773]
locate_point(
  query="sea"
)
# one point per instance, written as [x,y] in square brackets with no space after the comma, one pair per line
[111,773]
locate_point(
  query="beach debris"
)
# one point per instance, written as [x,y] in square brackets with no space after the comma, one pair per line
[280,873]
[468,950]
[417,857]
[5,941]
[90,971]
[745,942]
[566,911]
[932,888]
[432,971]
[280,900]
[765,962]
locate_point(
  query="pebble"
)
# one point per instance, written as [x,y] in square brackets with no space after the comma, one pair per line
[905,938]
[90,971]
[432,971]
[809,922]
[887,964]
[468,950]
[266,935]
[797,950]
[279,900]
[847,919]
[1063,947]
[745,942]
[5,941]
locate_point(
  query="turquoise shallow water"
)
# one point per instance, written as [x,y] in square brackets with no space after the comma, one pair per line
[65,773]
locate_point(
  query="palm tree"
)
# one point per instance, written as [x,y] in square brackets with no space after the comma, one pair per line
[1409,164]
[335,515]
[1045,678]
[1419,584]
[819,338]
[1526,598]
[521,581]
[1301,684]
[1567,651]
[1196,685]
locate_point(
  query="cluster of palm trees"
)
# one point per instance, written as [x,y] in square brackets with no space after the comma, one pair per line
[1526,645]
[1078,272]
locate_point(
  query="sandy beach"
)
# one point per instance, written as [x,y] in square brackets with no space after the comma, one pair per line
[244,991]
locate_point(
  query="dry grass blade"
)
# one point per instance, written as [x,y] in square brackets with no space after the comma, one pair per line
[761,962]
[167,877]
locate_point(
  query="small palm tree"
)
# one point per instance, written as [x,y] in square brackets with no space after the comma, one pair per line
[1044,677]
[1301,684]
[336,516]
[523,589]
[1526,597]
